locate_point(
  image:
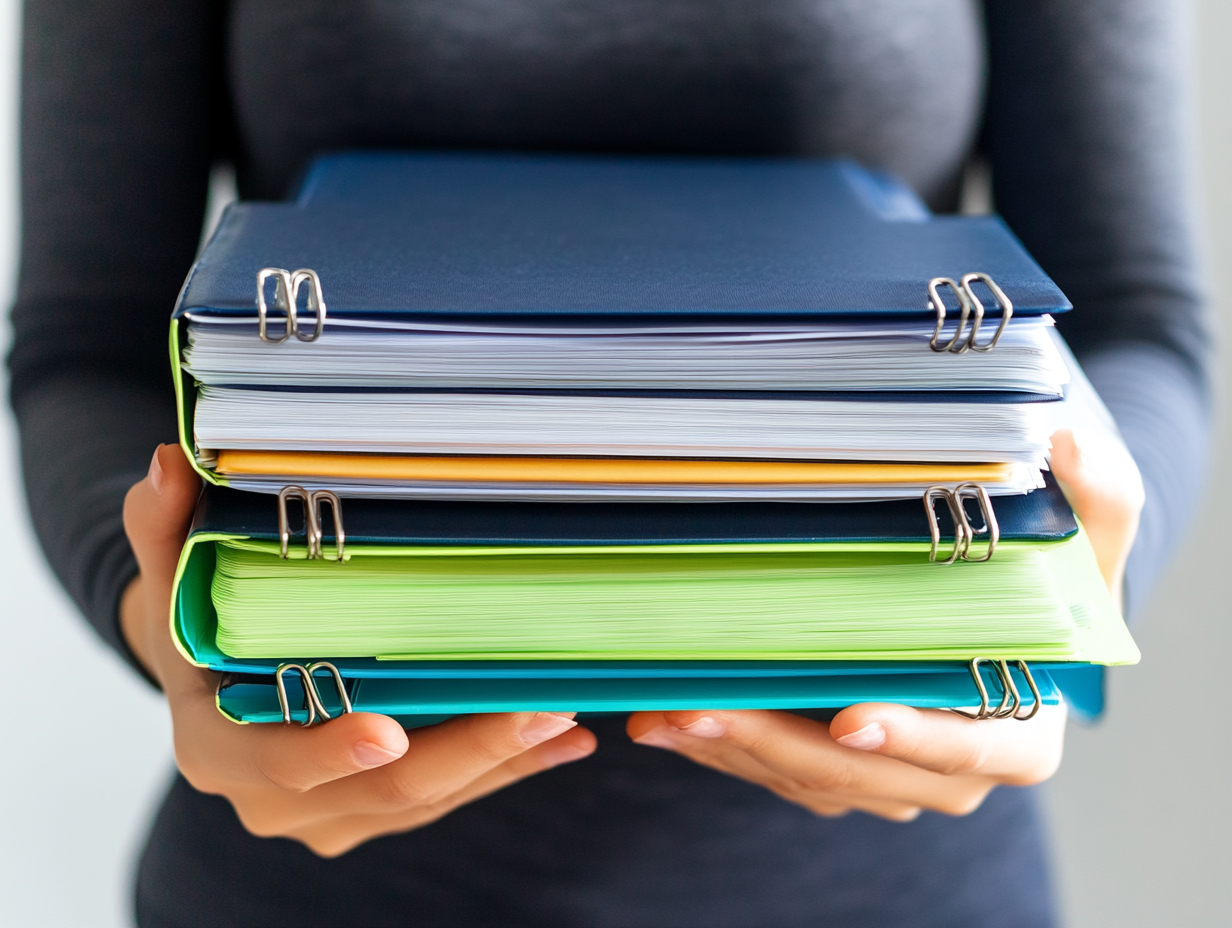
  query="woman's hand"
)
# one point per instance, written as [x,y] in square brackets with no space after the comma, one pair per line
[894,761]
[333,786]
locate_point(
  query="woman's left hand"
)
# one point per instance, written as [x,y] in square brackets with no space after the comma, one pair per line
[892,761]
[895,761]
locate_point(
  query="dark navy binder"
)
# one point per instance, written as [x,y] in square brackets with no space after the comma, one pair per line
[1043,515]
[584,235]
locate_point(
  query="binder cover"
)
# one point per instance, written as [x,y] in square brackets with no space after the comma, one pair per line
[424,700]
[551,235]
[1043,515]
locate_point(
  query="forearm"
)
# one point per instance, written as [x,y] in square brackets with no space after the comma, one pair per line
[85,439]
[1162,410]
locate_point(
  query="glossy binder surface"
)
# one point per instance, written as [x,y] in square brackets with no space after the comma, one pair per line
[1040,516]
[252,698]
[577,235]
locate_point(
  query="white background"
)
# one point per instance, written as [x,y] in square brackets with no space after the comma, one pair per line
[1140,812]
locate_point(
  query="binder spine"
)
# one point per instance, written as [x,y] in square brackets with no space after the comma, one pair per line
[312,695]
[287,285]
[969,306]
[312,521]
[964,532]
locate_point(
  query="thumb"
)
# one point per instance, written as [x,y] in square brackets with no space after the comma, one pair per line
[158,510]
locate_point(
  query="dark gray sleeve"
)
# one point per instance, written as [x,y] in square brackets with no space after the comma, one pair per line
[118,111]
[1087,132]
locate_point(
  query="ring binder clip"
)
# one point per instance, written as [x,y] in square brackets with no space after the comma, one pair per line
[962,528]
[315,536]
[284,300]
[312,522]
[982,712]
[311,697]
[1035,693]
[937,304]
[1010,706]
[1010,700]
[1007,309]
[316,302]
[343,696]
[284,525]
[991,528]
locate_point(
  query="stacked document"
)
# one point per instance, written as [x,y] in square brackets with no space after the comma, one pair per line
[606,434]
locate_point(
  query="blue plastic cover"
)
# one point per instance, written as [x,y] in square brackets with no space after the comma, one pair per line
[579,235]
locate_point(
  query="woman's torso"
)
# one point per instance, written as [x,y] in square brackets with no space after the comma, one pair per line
[895,83]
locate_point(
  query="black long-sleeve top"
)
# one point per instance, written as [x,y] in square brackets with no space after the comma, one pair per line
[1078,105]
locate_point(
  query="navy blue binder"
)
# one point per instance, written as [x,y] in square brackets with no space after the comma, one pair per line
[1043,515]
[578,235]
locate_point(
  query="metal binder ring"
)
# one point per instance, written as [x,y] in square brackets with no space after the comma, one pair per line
[1007,309]
[982,712]
[284,300]
[991,528]
[284,524]
[937,304]
[312,522]
[343,696]
[311,697]
[315,533]
[1035,693]
[962,528]
[316,302]
[1010,700]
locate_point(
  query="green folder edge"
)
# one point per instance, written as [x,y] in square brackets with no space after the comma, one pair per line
[809,684]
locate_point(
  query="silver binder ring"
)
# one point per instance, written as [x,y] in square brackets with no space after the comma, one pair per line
[316,302]
[339,685]
[937,304]
[311,697]
[983,711]
[284,302]
[315,533]
[1035,693]
[1010,700]
[976,492]
[284,523]
[962,528]
[1007,309]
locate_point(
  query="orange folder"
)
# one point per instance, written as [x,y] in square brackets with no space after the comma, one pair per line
[467,469]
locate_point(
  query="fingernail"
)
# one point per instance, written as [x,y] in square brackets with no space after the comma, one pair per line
[371,754]
[705,727]
[657,738]
[544,727]
[156,472]
[868,738]
[562,754]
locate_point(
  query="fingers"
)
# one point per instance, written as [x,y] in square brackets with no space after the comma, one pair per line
[443,759]
[336,836]
[804,759]
[729,759]
[1018,753]
[217,755]
[158,510]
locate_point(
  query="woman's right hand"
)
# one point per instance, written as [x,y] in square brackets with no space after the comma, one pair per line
[332,786]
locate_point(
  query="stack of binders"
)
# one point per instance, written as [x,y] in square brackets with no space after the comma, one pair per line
[603,434]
